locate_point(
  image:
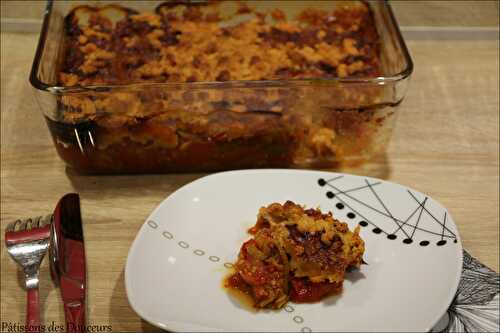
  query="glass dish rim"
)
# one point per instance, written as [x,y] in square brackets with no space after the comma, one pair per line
[59,90]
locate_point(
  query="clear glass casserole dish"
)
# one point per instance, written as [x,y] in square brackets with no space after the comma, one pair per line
[313,84]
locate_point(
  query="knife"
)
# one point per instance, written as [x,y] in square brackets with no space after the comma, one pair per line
[67,260]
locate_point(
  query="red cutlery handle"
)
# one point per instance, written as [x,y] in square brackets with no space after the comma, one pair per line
[32,312]
[75,317]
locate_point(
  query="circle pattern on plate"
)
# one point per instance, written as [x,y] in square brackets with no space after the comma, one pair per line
[167,235]
[183,244]
[199,252]
[153,224]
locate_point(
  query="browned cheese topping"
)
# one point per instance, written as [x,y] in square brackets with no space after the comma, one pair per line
[297,254]
[197,46]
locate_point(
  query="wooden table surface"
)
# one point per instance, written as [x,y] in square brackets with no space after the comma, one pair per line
[446,144]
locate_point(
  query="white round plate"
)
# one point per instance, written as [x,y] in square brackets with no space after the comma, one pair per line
[176,264]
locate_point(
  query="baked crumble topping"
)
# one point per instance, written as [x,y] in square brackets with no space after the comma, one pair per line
[295,254]
[197,46]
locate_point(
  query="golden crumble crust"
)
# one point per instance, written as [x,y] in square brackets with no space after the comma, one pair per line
[164,47]
[295,253]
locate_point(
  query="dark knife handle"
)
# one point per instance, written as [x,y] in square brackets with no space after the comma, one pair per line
[75,317]
[32,311]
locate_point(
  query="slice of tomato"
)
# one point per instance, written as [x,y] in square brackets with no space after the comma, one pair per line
[304,291]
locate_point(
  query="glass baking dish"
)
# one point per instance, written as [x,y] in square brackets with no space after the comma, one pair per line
[157,127]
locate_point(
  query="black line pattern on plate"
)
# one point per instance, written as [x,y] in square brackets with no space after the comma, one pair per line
[476,306]
[390,236]
[430,214]
[403,229]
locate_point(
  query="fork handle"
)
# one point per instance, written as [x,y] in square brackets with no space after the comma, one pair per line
[32,312]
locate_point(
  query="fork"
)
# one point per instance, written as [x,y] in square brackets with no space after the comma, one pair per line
[27,241]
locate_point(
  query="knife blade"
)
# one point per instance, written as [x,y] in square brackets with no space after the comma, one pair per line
[68,265]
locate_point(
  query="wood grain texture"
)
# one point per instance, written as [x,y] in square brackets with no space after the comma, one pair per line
[434,13]
[445,144]
[446,13]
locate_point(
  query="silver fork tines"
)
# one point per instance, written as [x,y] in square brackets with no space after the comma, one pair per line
[29,223]
[29,254]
